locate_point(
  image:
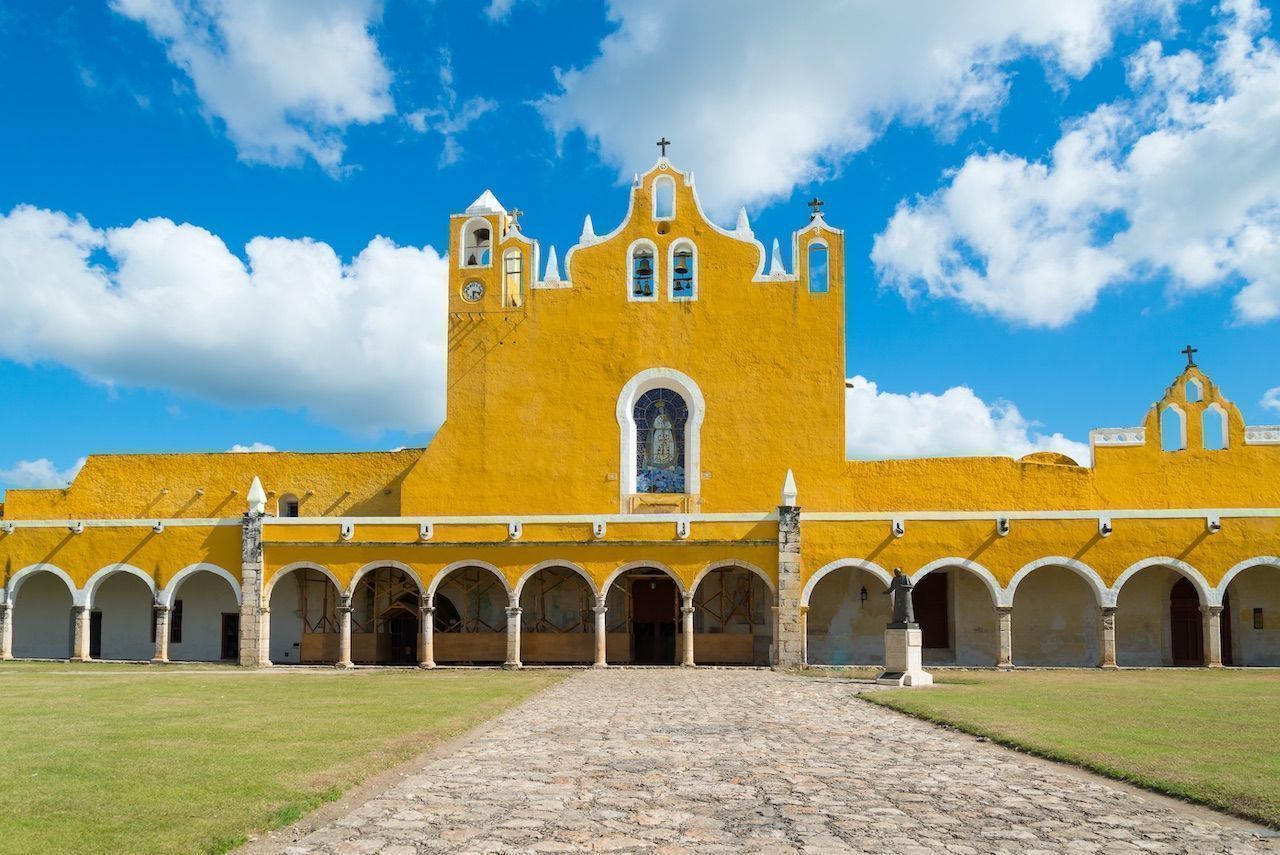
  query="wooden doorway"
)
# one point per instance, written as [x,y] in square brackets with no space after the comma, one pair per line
[655,610]
[403,629]
[95,635]
[230,635]
[1186,626]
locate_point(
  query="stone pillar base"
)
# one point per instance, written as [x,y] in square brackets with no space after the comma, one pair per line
[344,666]
[511,666]
[902,658]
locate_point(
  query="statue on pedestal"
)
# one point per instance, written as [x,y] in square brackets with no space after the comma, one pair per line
[904,612]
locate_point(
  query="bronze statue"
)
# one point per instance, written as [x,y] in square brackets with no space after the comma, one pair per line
[904,612]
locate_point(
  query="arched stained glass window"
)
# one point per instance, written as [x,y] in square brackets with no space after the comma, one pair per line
[660,417]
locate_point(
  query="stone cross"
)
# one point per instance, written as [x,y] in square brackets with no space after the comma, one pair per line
[1190,353]
[662,144]
[515,214]
[815,203]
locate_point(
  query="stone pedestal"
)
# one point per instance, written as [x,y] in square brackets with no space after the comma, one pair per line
[902,657]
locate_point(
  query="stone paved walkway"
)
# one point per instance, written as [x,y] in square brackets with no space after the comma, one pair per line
[671,761]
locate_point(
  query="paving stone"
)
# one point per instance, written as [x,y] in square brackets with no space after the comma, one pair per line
[675,761]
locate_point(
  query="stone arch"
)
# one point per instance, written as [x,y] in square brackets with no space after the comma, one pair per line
[1236,569]
[731,562]
[168,593]
[1104,595]
[376,565]
[988,578]
[16,580]
[1208,596]
[313,621]
[95,581]
[462,565]
[642,565]
[547,565]
[298,565]
[855,563]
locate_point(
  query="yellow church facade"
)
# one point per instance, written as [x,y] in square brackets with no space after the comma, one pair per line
[643,462]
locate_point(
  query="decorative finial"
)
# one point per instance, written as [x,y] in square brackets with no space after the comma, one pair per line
[789,490]
[662,144]
[744,225]
[257,498]
[816,204]
[553,267]
[1190,353]
[775,266]
[588,231]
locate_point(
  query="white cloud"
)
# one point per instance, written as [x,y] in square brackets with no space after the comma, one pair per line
[448,117]
[38,475]
[286,78]
[359,344]
[1181,180]
[956,423]
[256,448]
[498,10]
[775,95]
[1271,399]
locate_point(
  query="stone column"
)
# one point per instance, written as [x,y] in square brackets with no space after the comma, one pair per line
[686,629]
[427,638]
[344,632]
[6,630]
[255,626]
[602,634]
[162,616]
[804,635]
[1212,636]
[788,635]
[80,640]
[1004,628]
[513,634]
[1108,633]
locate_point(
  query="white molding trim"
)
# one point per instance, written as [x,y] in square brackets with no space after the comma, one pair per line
[290,568]
[671,270]
[840,564]
[1271,561]
[462,243]
[16,580]
[643,243]
[377,565]
[96,580]
[552,564]
[988,578]
[1092,578]
[657,378]
[149,522]
[640,565]
[1208,596]
[1113,437]
[1262,435]
[944,516]
[166,595]
[730,563]
[462,565]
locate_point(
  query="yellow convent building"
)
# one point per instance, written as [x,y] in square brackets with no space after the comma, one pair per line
[643,461]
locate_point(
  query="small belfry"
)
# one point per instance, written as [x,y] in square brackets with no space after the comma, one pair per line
[605,491]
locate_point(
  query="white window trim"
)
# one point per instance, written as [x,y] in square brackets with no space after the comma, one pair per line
[1219,412]
[671,270]
[642,243]
[645,381]
[1182,423]
[462,243]
[520,288]
[808,265]
[654,206]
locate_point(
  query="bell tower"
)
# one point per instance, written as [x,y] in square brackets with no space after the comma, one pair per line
[491,264]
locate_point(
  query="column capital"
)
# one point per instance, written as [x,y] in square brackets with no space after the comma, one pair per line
[599,609]
[427,610]
[1108,610]
[514,611]
[1212,611]
[1004,610]
[686,610]
[161,608]
[346,609]
[79,610]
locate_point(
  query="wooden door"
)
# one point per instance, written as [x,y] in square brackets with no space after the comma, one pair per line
[932,612]
[95,635]
[230,635]
[1186,626]
[655,606]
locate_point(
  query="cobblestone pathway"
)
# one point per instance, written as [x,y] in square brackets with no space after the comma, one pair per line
[728,761]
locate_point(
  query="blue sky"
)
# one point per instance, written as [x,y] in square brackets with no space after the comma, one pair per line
[1042,205]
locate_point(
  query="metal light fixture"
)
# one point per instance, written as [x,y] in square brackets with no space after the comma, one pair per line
[862,595]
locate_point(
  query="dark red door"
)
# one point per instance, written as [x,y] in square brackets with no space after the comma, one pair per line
[1186,627]
[230,635]
[930,601]
[655,604]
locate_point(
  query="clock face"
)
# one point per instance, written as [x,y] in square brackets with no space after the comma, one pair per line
[472,291]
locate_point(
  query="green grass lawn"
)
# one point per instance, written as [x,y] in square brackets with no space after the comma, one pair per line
[129,758]
[1208,736]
